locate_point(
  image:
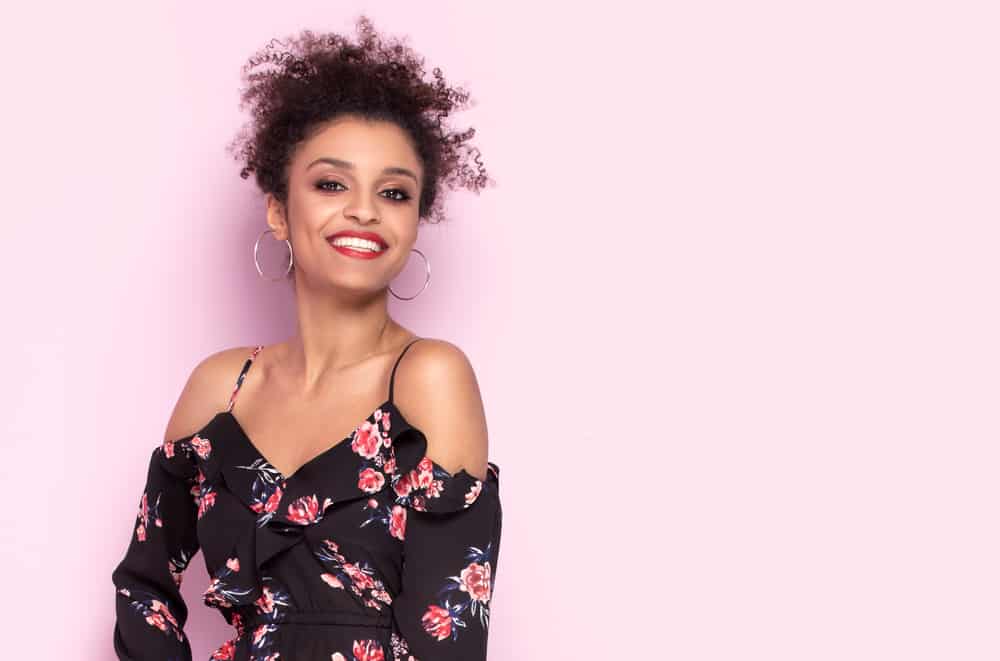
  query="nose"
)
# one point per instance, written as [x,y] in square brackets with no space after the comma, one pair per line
[362,209]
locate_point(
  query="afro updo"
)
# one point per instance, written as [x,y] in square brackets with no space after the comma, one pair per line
[295,86]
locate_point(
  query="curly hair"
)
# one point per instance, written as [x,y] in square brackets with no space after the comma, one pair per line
[295,86]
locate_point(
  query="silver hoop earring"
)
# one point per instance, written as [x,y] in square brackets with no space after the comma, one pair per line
[427,279]
[256,261]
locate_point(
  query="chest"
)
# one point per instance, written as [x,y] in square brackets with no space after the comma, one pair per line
[290,435]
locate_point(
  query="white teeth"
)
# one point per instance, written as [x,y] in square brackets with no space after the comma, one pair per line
[356,243]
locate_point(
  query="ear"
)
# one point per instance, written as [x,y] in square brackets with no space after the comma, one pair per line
[277,219]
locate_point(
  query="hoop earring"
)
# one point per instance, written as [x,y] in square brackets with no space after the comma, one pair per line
[256,248]
[427,279]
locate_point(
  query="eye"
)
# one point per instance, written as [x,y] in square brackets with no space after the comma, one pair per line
[398,194]
[404,195]
[322,185]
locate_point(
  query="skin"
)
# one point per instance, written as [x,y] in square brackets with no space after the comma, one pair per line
[307,393]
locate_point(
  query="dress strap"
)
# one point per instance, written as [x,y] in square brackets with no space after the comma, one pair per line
[243,373]
[392,377]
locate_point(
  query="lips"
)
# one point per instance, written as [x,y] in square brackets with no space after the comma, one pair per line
[370,236]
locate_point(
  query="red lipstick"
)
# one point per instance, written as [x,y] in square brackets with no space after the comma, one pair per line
[359,253]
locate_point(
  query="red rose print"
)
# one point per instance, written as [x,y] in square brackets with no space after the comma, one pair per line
[437,622]
[368,650]
[476,581]
[225,653]
[434,489]
[367,440]
[423,474]
[304,509]
[233,564]
[371,480]
[474,492]
[205,503]
[397,522]
[202,446]
[265,603]
[331,580]
[403,486]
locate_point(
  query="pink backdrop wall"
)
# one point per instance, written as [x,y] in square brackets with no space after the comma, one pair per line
[733,308]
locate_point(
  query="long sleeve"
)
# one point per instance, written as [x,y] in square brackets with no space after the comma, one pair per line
[451,548]
[150,612]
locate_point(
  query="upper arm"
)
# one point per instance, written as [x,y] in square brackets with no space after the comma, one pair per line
[206,392]
[437,391]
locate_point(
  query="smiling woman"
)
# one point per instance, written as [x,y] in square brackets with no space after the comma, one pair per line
[336,522]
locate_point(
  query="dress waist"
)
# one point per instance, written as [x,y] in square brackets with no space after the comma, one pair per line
[381,620]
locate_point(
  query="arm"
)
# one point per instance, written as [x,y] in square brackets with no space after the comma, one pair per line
[453,514]
[150,612]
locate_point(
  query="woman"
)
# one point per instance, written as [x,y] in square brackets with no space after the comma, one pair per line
[379,541]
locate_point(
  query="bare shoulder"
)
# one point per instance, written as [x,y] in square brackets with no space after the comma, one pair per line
[437,391]
[206,391]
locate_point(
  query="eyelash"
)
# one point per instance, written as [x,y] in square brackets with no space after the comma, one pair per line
[406,196]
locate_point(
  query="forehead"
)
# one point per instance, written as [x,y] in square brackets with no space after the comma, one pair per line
[369,144]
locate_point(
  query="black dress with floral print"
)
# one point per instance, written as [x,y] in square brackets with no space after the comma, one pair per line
[371,551]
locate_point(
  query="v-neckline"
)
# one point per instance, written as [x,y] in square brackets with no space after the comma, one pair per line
[387,404]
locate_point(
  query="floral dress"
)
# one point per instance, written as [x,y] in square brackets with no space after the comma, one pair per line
[371,551]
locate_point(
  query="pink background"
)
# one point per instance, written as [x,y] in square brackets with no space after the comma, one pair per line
[733,308]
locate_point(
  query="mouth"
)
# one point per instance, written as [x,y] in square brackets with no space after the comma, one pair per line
[363,245]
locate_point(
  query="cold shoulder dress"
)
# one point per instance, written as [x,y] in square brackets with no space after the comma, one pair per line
[370,551]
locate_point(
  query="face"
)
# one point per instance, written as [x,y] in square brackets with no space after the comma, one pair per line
[352,178]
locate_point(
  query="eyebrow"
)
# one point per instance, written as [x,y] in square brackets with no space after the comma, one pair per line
[338,162]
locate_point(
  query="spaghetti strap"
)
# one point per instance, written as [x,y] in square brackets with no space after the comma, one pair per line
[243,373]
[392,377]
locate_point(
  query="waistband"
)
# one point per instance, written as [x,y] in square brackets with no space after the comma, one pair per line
[380,620]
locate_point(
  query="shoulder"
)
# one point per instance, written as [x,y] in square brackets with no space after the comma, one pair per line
[206,391]
[437,392]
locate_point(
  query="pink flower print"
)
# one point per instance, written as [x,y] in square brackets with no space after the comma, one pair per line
[260,632]
[476,581]
[144,514]
[168,448]
[403,485]
[202,446]
[473,493]
[206,501]
[384,418]
[390,465]
[304,509]
[437,622]
[367,440]
[331,580]
[397,522]
[423,474]
[370,480]
[359,579]
[270,505]
[337,656]
[434,489]
[161,615]
[225,653]
[368,650]
[233,564]
[265,603]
